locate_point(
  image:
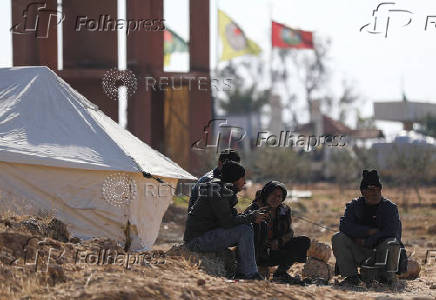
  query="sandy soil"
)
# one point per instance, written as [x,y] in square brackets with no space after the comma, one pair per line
[72,275]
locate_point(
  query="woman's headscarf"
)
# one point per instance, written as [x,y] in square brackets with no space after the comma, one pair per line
[269,187]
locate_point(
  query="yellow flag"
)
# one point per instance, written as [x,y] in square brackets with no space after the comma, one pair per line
[234,41]
[167,59]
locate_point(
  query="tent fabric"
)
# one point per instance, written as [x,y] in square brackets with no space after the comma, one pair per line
[57,151]
[74,196]
[45,121]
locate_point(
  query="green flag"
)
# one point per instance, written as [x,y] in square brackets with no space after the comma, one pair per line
[173,43]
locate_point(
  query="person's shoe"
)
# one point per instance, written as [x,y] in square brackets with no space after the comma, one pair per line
[284,277]
[351,281]
[254,276]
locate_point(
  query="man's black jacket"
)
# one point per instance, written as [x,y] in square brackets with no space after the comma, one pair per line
[213,209]
[387,220]
[215,173]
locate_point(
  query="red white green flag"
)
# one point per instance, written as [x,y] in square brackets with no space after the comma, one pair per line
[286,37]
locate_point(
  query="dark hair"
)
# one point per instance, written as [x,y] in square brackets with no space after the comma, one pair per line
[229,155]
[270,187]
[258,195]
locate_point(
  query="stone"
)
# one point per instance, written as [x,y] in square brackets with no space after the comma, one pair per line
[413,269]
[55,274]
[319,250]
[432,229]
[223,263]
[317,269]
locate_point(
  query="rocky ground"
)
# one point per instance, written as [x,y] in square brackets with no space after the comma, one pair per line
[69,268]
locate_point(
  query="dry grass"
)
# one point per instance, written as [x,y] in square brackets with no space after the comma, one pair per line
[183,278]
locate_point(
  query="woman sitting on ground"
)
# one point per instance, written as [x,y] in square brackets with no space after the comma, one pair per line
[274,240]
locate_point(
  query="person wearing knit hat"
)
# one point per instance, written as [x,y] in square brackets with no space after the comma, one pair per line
[232,171]
[371,224]
[225,156]
[274,240]
[213,223]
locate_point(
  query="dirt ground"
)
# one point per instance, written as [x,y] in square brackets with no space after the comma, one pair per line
[66,276]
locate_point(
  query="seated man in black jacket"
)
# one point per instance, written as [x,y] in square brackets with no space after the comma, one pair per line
[213,223]
[225,155]
[370,236]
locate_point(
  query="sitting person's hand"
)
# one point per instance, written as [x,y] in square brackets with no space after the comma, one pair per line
[360,242]
[260,216]
[373,231]
[275,245]
[287,237]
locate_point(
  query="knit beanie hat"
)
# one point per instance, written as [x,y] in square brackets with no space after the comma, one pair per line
[232,171]
[370,178]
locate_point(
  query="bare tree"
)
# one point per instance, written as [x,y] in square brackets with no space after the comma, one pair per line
[311,67]
[428,126]
[346,167]
[411,166]
[245,95]
[283,164]
[347,100]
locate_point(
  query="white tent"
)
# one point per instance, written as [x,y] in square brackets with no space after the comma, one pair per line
[59,153]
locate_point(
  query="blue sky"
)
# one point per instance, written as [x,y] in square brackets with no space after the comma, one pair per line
[379,67]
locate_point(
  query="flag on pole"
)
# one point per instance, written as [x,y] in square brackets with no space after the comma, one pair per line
[173,43]
[286,37]
[234,41]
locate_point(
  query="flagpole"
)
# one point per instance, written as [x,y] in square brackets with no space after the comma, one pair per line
[216,56]
[271,54]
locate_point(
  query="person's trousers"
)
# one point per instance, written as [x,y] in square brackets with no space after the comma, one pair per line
[295,250]
[349,255]
[219,239]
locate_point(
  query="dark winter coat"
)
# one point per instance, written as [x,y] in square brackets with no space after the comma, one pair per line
[215,173]
[387,220]
[281,226]
[214,209]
